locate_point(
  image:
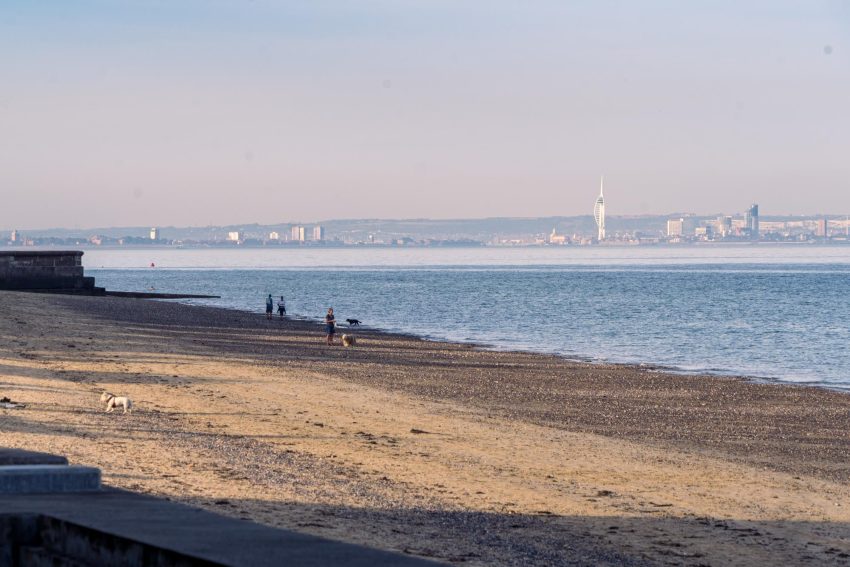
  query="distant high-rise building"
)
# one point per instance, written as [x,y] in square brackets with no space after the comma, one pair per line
[675,227]
[599,211]
[752,221]
[724,225]
[15,236]
[298,234]
[823,227]
[274,235]
[236,236]
[154,233]
[318,233]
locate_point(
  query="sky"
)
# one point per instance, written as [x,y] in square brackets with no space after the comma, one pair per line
[210,112]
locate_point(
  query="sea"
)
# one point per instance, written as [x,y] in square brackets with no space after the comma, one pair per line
[769,312]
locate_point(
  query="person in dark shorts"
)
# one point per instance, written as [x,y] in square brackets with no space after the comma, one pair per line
[269,306]
[281,307]
[330,325]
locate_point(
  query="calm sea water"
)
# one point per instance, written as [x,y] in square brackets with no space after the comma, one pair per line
[778,313]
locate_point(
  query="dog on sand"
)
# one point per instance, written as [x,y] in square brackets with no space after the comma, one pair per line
[353,322]
[113,401]
[348,340]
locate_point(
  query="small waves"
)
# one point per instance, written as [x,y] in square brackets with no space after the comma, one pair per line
[786,323]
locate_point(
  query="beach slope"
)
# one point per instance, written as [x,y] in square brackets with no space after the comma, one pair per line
[436,450]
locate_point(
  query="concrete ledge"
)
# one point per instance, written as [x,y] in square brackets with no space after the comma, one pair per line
[44,541]
[123,520]
[36,479]
[24,457]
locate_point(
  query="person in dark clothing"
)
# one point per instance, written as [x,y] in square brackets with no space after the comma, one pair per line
[330,325]
[269,306]
[281,307]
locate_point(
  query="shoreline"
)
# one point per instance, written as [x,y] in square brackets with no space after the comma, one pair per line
[638,366]
[438,450]
[577,359]
[559,381]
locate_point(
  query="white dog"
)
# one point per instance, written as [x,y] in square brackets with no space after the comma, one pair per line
[348,340]
[113,402]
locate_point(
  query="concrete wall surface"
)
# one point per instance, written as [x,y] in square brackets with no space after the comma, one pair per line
[119,528]
[43,270]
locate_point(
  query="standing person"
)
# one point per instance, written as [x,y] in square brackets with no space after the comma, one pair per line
[269,306]
[281,307]
[330,324]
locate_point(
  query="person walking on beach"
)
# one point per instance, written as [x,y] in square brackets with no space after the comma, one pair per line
[281,307]
[269,306]
[330,324]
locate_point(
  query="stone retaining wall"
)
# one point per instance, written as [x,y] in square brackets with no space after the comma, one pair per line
[44,271]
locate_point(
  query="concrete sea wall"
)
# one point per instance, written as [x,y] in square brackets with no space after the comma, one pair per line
[42,270]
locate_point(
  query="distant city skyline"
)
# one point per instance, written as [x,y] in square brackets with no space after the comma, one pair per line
[554,230]
[598,208]
[199,113]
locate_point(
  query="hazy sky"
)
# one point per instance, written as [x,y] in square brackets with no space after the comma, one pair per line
[159,112]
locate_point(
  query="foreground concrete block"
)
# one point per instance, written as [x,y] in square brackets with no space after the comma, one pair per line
[35,479]
[114,527]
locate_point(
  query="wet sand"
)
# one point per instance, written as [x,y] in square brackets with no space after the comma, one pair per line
[433,449]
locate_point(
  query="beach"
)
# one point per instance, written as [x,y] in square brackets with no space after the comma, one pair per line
[439,450]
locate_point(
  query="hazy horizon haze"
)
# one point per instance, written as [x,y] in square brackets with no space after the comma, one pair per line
[219,112]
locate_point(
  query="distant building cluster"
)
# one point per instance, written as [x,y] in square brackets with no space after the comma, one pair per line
[586,230]
[751,227]
[747,226]
[297,235]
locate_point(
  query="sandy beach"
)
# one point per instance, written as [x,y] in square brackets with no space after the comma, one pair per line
[437,450]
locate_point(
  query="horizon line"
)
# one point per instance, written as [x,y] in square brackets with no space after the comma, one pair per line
[420,219]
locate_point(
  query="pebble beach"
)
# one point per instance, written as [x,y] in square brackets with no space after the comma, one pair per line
[439,450]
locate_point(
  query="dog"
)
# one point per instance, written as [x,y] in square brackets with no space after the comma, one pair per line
[113,401]
[353,322]
[348,340]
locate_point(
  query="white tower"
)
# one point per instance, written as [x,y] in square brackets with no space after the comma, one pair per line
[599,210]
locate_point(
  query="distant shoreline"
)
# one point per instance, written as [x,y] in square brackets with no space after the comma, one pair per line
[338,246]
